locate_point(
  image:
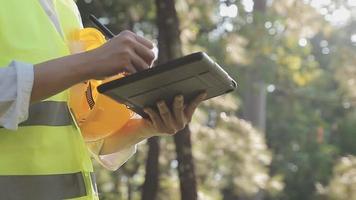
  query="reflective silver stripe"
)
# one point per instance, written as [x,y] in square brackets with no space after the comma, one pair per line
[48,113]
[93,182]
[42,187]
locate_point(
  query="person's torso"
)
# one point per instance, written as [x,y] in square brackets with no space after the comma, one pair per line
[28,35]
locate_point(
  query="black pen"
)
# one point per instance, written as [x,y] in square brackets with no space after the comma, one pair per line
[101,26]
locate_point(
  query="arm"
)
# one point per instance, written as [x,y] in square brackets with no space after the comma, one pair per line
[134,131]
[125,52]
[167,121]
[56,75]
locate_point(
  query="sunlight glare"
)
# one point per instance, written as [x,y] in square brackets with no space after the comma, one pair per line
[339,16]
[228,11]
[302,42]
[353,38]
[351,2]
[320,3]
[248,5]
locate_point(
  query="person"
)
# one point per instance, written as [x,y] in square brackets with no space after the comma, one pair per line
[42,153]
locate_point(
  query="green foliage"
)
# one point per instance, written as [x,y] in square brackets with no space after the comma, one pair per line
[308,65]
[346,138]
[231,155]
[343,183]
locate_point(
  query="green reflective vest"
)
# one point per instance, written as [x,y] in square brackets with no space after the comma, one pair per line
[51,155]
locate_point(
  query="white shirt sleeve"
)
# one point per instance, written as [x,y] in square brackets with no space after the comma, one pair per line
[110,161]
[16,82]
[115,160]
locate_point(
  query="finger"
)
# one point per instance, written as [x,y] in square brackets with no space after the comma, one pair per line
[144,41]
[130,69]
[138,62]
[178,110]
[166,117]
[193,105]
[155,118]
[145,53]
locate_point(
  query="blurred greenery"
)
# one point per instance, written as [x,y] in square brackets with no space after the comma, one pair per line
[303,51]
[343,182]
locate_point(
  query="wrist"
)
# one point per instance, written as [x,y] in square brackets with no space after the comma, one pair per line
[88,65]
[80,66]
[135,131]
[146,130]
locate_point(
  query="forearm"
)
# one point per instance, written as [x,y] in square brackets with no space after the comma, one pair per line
[54,76]
[125,52]
[135,131]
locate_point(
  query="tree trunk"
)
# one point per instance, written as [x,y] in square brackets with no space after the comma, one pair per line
[170,48]
[169,43]
[254,97]
[254,104]
[129,189]
[117,183]
[259,6]
[254,109]
[151,184]
[186,170]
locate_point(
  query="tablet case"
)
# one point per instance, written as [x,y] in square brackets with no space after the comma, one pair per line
[188,75]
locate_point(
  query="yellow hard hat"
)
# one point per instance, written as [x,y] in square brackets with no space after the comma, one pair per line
[97,115]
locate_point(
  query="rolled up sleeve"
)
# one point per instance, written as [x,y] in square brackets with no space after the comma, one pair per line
[110,161]
[16,82]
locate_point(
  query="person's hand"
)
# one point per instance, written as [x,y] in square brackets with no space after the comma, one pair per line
[167,121]
[126,52]
[171,120]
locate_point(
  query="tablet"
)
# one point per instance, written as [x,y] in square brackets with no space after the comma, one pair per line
[188,76]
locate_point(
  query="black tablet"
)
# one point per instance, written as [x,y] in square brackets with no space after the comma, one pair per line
[188,75]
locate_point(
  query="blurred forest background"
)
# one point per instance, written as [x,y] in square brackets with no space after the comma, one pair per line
[287,133]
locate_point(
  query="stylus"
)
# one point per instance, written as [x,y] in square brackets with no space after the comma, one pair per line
[101,26]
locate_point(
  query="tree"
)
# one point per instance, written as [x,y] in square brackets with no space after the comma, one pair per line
[151,183]
[231,155]
[254,104]
[307,66]
[170,48]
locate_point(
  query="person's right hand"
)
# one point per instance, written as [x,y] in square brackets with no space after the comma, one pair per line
[126,52]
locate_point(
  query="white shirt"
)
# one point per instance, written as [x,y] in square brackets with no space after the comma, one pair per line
[16,82]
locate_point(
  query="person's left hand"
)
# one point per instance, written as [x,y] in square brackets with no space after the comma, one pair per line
[171,120]
[167,121]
